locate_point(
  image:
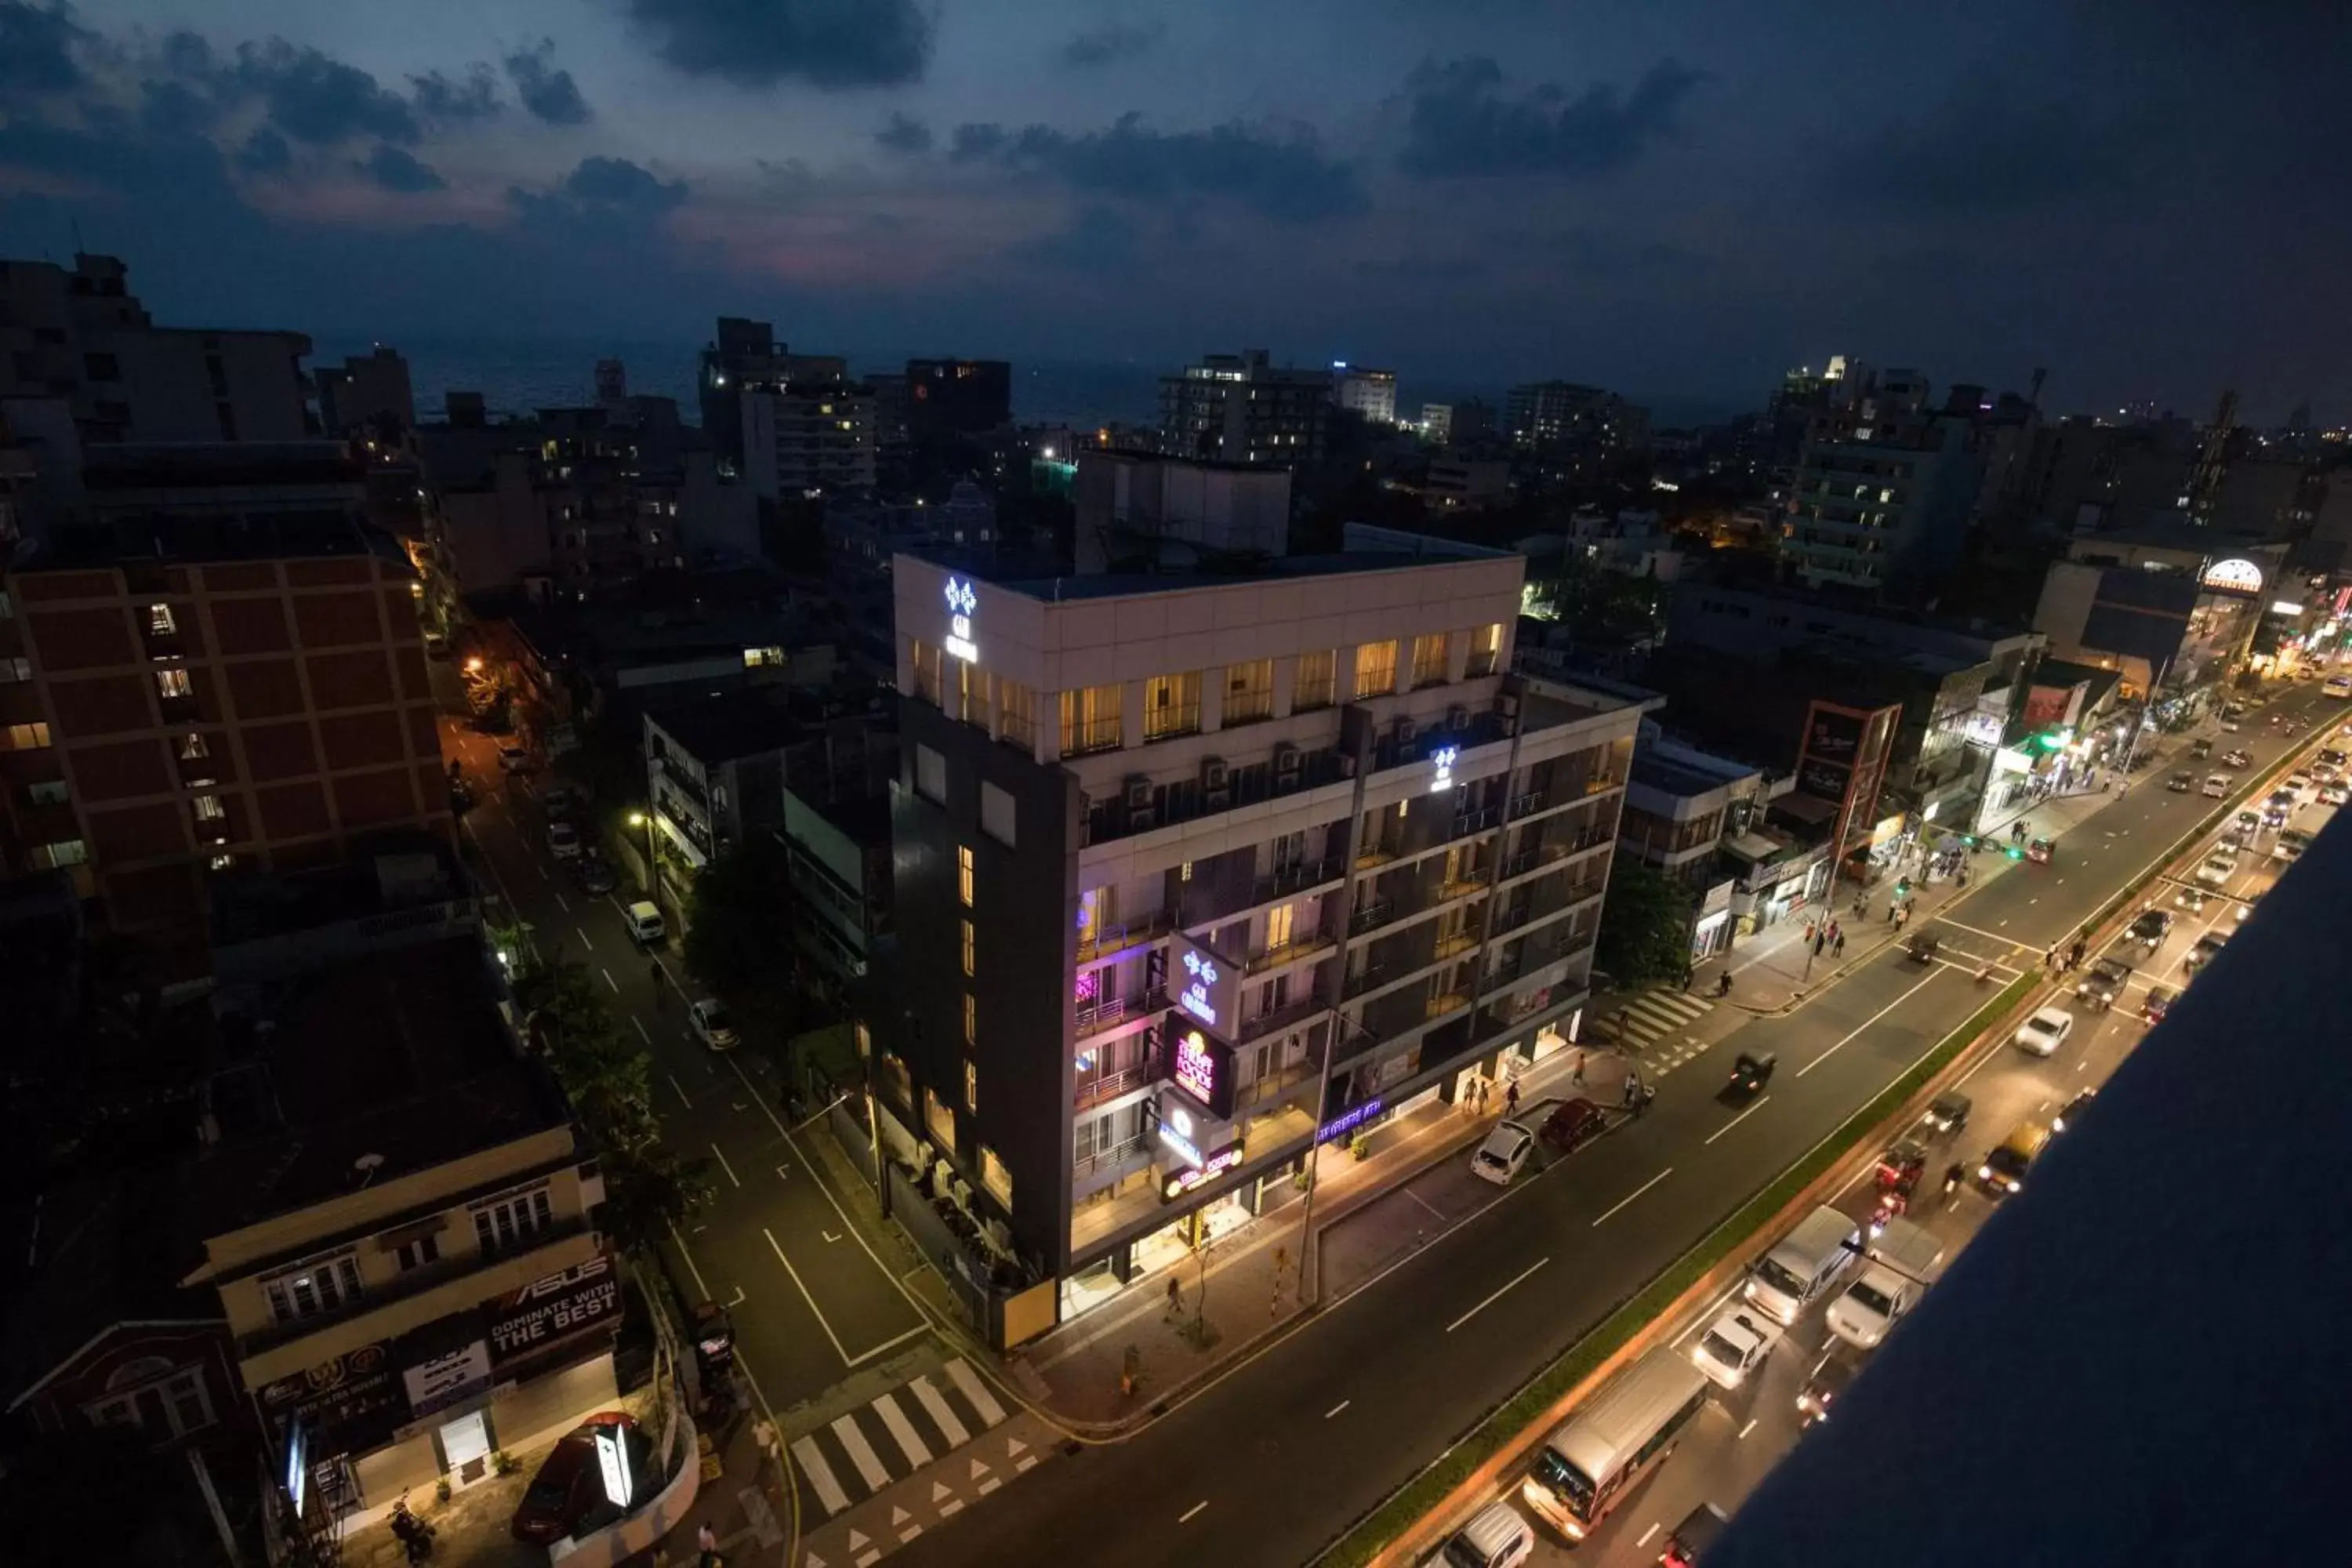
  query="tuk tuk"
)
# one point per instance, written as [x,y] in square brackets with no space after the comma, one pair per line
[1925,944]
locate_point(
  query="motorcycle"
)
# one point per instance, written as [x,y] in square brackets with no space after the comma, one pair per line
[1891,1205]
[416,1536]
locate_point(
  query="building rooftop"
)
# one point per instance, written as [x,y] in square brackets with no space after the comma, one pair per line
[196,465]
[2189,538]
[733,724]
[400,1054]
[1124,584]
[195,538]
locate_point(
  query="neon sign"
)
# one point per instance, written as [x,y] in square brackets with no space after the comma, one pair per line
[962,602]
[1349,1120]
[1445,757]
[1178,1183]
[1195,1071]
[1176,1131]
[2235,575]
[1194,998]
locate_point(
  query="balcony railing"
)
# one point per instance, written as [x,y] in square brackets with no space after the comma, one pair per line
[1111,1085]
[1282,1017]
[1290,952]
[1370,976]
[1529,803]
[1305,874]
[1460,941]
[1475,821]
[1371,916]
[1110,939]
[1094,1017]
[1087,1165]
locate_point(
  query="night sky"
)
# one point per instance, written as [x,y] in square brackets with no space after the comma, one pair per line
[1671,197]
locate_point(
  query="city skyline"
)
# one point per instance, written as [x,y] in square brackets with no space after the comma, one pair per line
[1658,203]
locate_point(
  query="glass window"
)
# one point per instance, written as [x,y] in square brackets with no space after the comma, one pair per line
[317,1286]
[208,809]
[1249,692]
[417,1253]
[968,947]
[1485,649]
[939,1120]
[1091,720]
[970,1019]
[1376,669]
[1428,652]
[971,1086]
[1316,683]
[1172,705]
[170,683]
[1278,922]
[930,776]
[502,1224]
[1016,713]
[161,621]
[15,669]
[927,671]
[996,813]
[995,1177]
[972,692]
[965,874]
[49,792]
[65,852]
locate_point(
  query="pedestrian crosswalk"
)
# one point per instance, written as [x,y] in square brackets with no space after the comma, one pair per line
[887,1439]
[1658,1017]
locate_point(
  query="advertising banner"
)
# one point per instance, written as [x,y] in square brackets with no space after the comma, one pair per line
[545,1311]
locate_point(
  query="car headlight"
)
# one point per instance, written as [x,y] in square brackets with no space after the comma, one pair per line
[1984,1173]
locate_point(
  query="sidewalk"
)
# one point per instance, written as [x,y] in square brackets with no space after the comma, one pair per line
[1244,1287]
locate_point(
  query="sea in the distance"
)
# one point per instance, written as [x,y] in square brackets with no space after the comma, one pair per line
[516,377]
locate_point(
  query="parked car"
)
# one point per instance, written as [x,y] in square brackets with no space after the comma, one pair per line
[1506,1149]
[1574,1124]
[569,1485]
[2201,747]
[708,1019]
[563,840]
[596,875]
[645,922]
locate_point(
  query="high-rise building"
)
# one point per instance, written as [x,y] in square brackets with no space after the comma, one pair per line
[1237,409]
[1581,429]
[82,336]
[809,438]
[366,391]
[1363,391]
[1436,422]
[1196,873]
[219,666]
[744,355]
[957,398]
[1884,488]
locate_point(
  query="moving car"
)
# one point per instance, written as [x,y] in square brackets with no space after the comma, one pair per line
[514,759]
[1902,1262]
[1752,1071]
[2278,808]
[1830,1376]
[2248,822]
[2158,1002]
[2045,1031]
[1495,1537]
[1901,1166]
[2182,783]
[596,875]
[1949,1111]
[1925,944]
[2237,757]
[2073,1115]
[2201,747]
[1506,1149]
[1574,1124]
[1698,1531]
[2102,983]
[2191,898]
[2003,1171]
[570,1486]
[2217,786]
[1736,1344]
[2292,843]
[645,923]
[2230,722]
[2299,785]
[2149,928]
[1802,1264]
[2336,686]
[563,840]
[2331,757]
[2334,792]
[2040,849]
[2217,869]
[2208,947]
[708,1019]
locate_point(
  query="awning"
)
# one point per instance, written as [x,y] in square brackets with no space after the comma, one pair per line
[1752,847]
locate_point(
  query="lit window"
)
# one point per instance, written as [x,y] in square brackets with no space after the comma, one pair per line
[1278,922]
[222,862]
[161,621]
[310,1288]
[1376,669]
[964,874]
[208,809]
[972,1086]
[755,657]
[1428,659]
[970,1019]
[1317,684]
[1172,705]
[939,1120]
[995,1177]
[1249,692]
[1091,720]
[48,791]
[1485,649]
[65,852]
[967,948]
[171,683]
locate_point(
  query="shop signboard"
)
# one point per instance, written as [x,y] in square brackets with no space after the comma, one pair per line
[1208,989]
[2048,707]
[545,1311]
[1180,1132]
[612,1464]
[1203,1068]
[440,1381]
[1833,735]
[1214,1163]
[1348,1120]
[2235,575]
[353,1387]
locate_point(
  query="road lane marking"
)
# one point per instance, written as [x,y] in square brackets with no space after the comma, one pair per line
[1191,1513]
[910,1441]
[1925,981]
[672,1077]
[917,1332]
[690,1268]
[861,1454]
[582,931]
[778,1248]
[1750,1428]
[975,1392]
[1646,1536]
[564,904]
[1498,1296]
[1735,1121]
[1636,1193]
[740,1297]
[1336,1408]
[725,1166]
[941,1413]
[1423,1202]
[820,1474]
[610,980]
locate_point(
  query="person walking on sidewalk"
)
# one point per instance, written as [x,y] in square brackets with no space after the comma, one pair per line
[1175,1299]
[1511,1101]
[1632,1088]
[1576,1068]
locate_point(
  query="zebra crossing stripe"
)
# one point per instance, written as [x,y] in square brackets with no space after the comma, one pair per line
[820,1475]
[861,1454]
[943,1416]
[975,1392]
[910,1441]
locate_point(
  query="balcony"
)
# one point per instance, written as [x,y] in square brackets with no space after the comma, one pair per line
[1459,942]
[1099,1017]
[1289,952]
[1372,916]
[1296,877]
[1105,1086]
[1476,820]
[1109,940]
[1529,803]
[1282,1017]
[1448,1002]
[179,711]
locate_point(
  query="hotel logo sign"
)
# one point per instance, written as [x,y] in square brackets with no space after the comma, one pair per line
[962,602]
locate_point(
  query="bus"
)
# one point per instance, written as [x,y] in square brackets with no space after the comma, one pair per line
[1586,1467]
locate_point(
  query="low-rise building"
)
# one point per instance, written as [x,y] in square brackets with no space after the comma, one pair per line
[1140,506]
[1682,806]
[2174,610]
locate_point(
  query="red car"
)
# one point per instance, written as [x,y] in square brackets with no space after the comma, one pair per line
[569,1485]
[1574,1124]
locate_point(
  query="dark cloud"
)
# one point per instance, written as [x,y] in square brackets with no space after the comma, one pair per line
[37,44]
[265,153]
[398,169]
[1276,172]
[1987,149]
[187,54]
[549,94]
[759,43]
[1114,42]
[317,99]
[1594,253]
[598,192]
[173,108]
[451,102]
[1098,240]
[1460,123]
[973,142]
[905,134]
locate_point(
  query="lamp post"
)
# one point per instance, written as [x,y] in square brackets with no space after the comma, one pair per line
[653,871]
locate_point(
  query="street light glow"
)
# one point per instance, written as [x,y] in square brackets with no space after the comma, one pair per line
[636,819]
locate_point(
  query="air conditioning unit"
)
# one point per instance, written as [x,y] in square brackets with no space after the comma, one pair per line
[1405,732]
[1138,792]
[1216,777]
[1506,708]
[1285,766]
[1457,718]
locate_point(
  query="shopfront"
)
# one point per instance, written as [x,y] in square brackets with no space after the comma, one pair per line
[1711,924]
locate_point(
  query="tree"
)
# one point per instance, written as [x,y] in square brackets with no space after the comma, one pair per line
[1644,925]
[739,933]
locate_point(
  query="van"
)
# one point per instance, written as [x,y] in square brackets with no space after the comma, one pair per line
[1495,1537]
[1806,1262]
[645,922]
[1903,1261]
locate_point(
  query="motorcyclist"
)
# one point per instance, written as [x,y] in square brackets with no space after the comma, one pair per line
[1954,1174]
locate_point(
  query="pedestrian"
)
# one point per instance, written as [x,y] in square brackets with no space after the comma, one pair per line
[1838,947]
[1961,880]
[706,1540]
[1632,1088]
[1625,1022]
[2074,954]
[1809,932]
[1576,1068]
[1175,1301]
[1821,941]
[1511,1101]
[2050,959]
[1689,975]
[1642,1106]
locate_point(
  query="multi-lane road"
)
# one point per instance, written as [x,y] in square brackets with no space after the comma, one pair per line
[1271,1461]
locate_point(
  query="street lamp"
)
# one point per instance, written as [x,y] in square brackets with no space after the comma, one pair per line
[653,877]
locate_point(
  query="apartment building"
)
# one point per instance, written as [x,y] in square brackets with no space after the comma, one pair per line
[1197,872]
[218,668]
[1578,428]
[809,440]
[1366,391]
[393,1212]
[1239,409]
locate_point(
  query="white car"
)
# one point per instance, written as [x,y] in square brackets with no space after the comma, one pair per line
[2301,783]
[645,922]
[2334,792]
[2217,786]
[2045,1031]
[1495,1537]
[564,840]
[514,759]
[1734,1345]
[2292,843]
[708,1019]
[2216,869]
[1506,1149]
